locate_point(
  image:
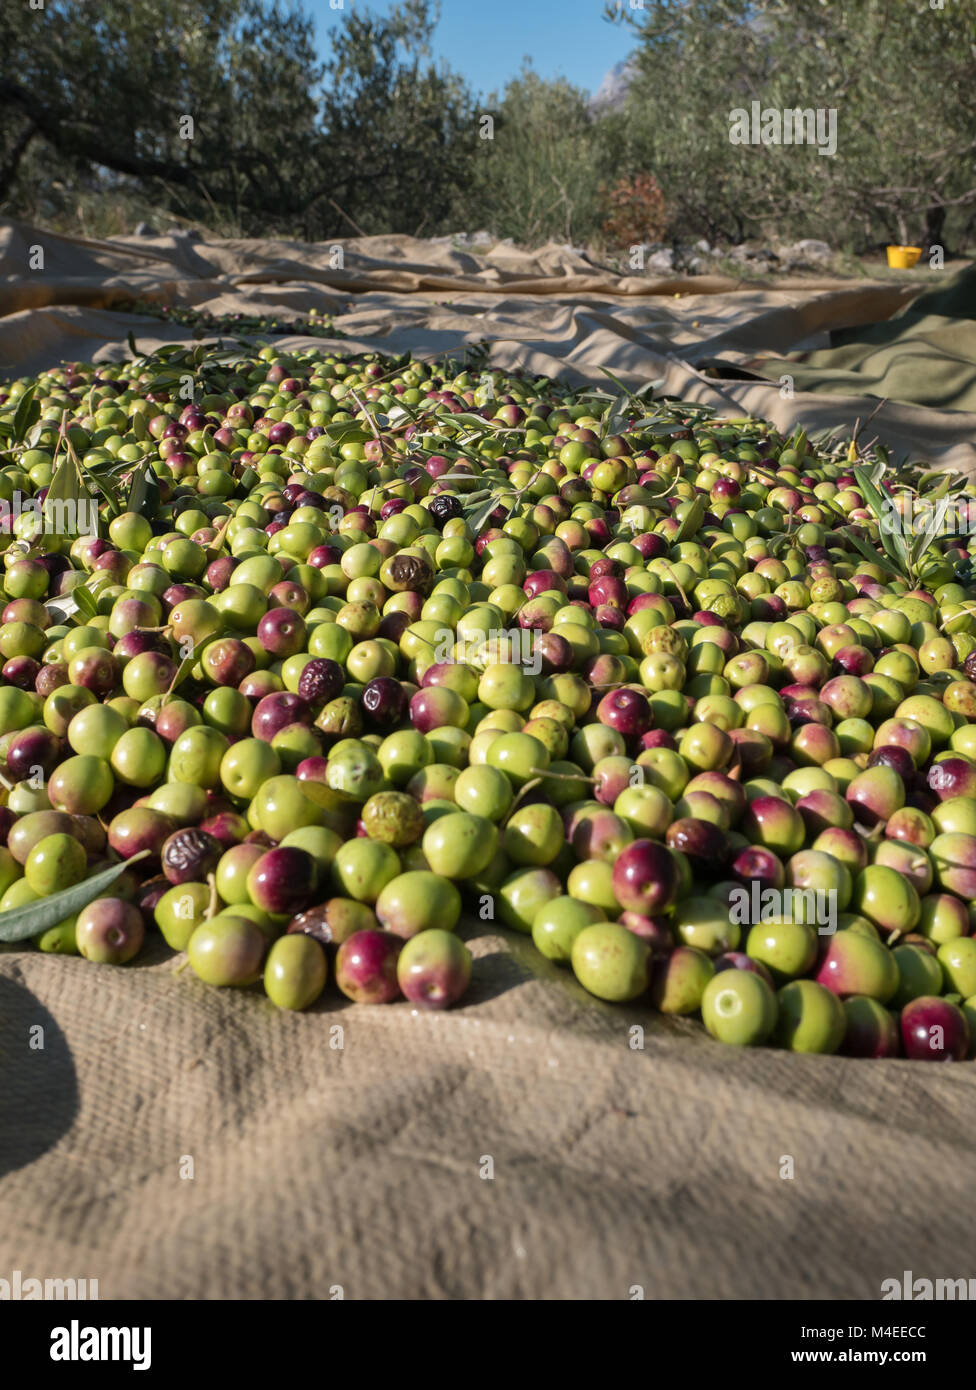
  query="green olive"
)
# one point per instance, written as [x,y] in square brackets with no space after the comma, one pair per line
[295,971]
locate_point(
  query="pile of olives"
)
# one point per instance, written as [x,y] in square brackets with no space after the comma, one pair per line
[388,648]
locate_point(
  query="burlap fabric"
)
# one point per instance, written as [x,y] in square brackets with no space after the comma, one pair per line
[175,1141]
[522,1146]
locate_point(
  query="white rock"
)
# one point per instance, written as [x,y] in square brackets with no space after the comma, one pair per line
[660,261]
[809,249]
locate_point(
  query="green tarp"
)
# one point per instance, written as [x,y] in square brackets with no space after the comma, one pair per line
[925,355]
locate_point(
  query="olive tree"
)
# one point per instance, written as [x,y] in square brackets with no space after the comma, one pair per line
[207,105]
[537,163]
[399,128]
[900,78]
[222,111]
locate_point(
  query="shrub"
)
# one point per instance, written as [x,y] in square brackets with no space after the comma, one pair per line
[638,211]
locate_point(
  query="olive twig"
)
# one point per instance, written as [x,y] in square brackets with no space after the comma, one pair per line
[527,786]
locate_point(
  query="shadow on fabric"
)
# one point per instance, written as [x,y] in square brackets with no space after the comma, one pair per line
[38,1085]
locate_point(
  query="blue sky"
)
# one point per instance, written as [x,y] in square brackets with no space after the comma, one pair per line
[486,40]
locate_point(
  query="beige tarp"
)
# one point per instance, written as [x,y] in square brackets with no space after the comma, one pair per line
[550,310]
[171,1140]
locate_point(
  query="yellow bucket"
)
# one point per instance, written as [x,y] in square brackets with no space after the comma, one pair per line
[903,257]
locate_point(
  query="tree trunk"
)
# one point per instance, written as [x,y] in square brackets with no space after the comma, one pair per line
[934,222]
[8,170]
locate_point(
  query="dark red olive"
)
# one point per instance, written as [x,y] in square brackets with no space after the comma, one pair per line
[189,855]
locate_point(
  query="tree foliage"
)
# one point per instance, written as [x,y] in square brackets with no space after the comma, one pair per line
[900,75]
[114,85]
[400,129]
[279,141]
[375,136]
[537,177]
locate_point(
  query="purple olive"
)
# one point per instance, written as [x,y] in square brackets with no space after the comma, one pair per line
[140,828]
[190,855]
[434,969]
[21,671]
[32,748]
[109,931]
[366,967]
[705,844]
[51,677]
[276,711]
[283,880]
[149,893]
[384,702]
[321,681]
[934,1030]
[226,826]
[871,1030]
[738,960]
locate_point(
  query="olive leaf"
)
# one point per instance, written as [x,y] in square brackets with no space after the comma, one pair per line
[798,442]
[213,549]
[144,495]
[67,488]
[164,380]
[615,416]
[182,673]
[110,492]
[347,432]
[400,414]
[473,437]
[477,516]
[947,484]
[63,607]
[890,524]
[85,601]
[458,478]
[474,422]
[660,430]
[22,415]
[21,923]
[622,389]
[871,554]
[171,351]
[929,532]
[110,466]
[692,521]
